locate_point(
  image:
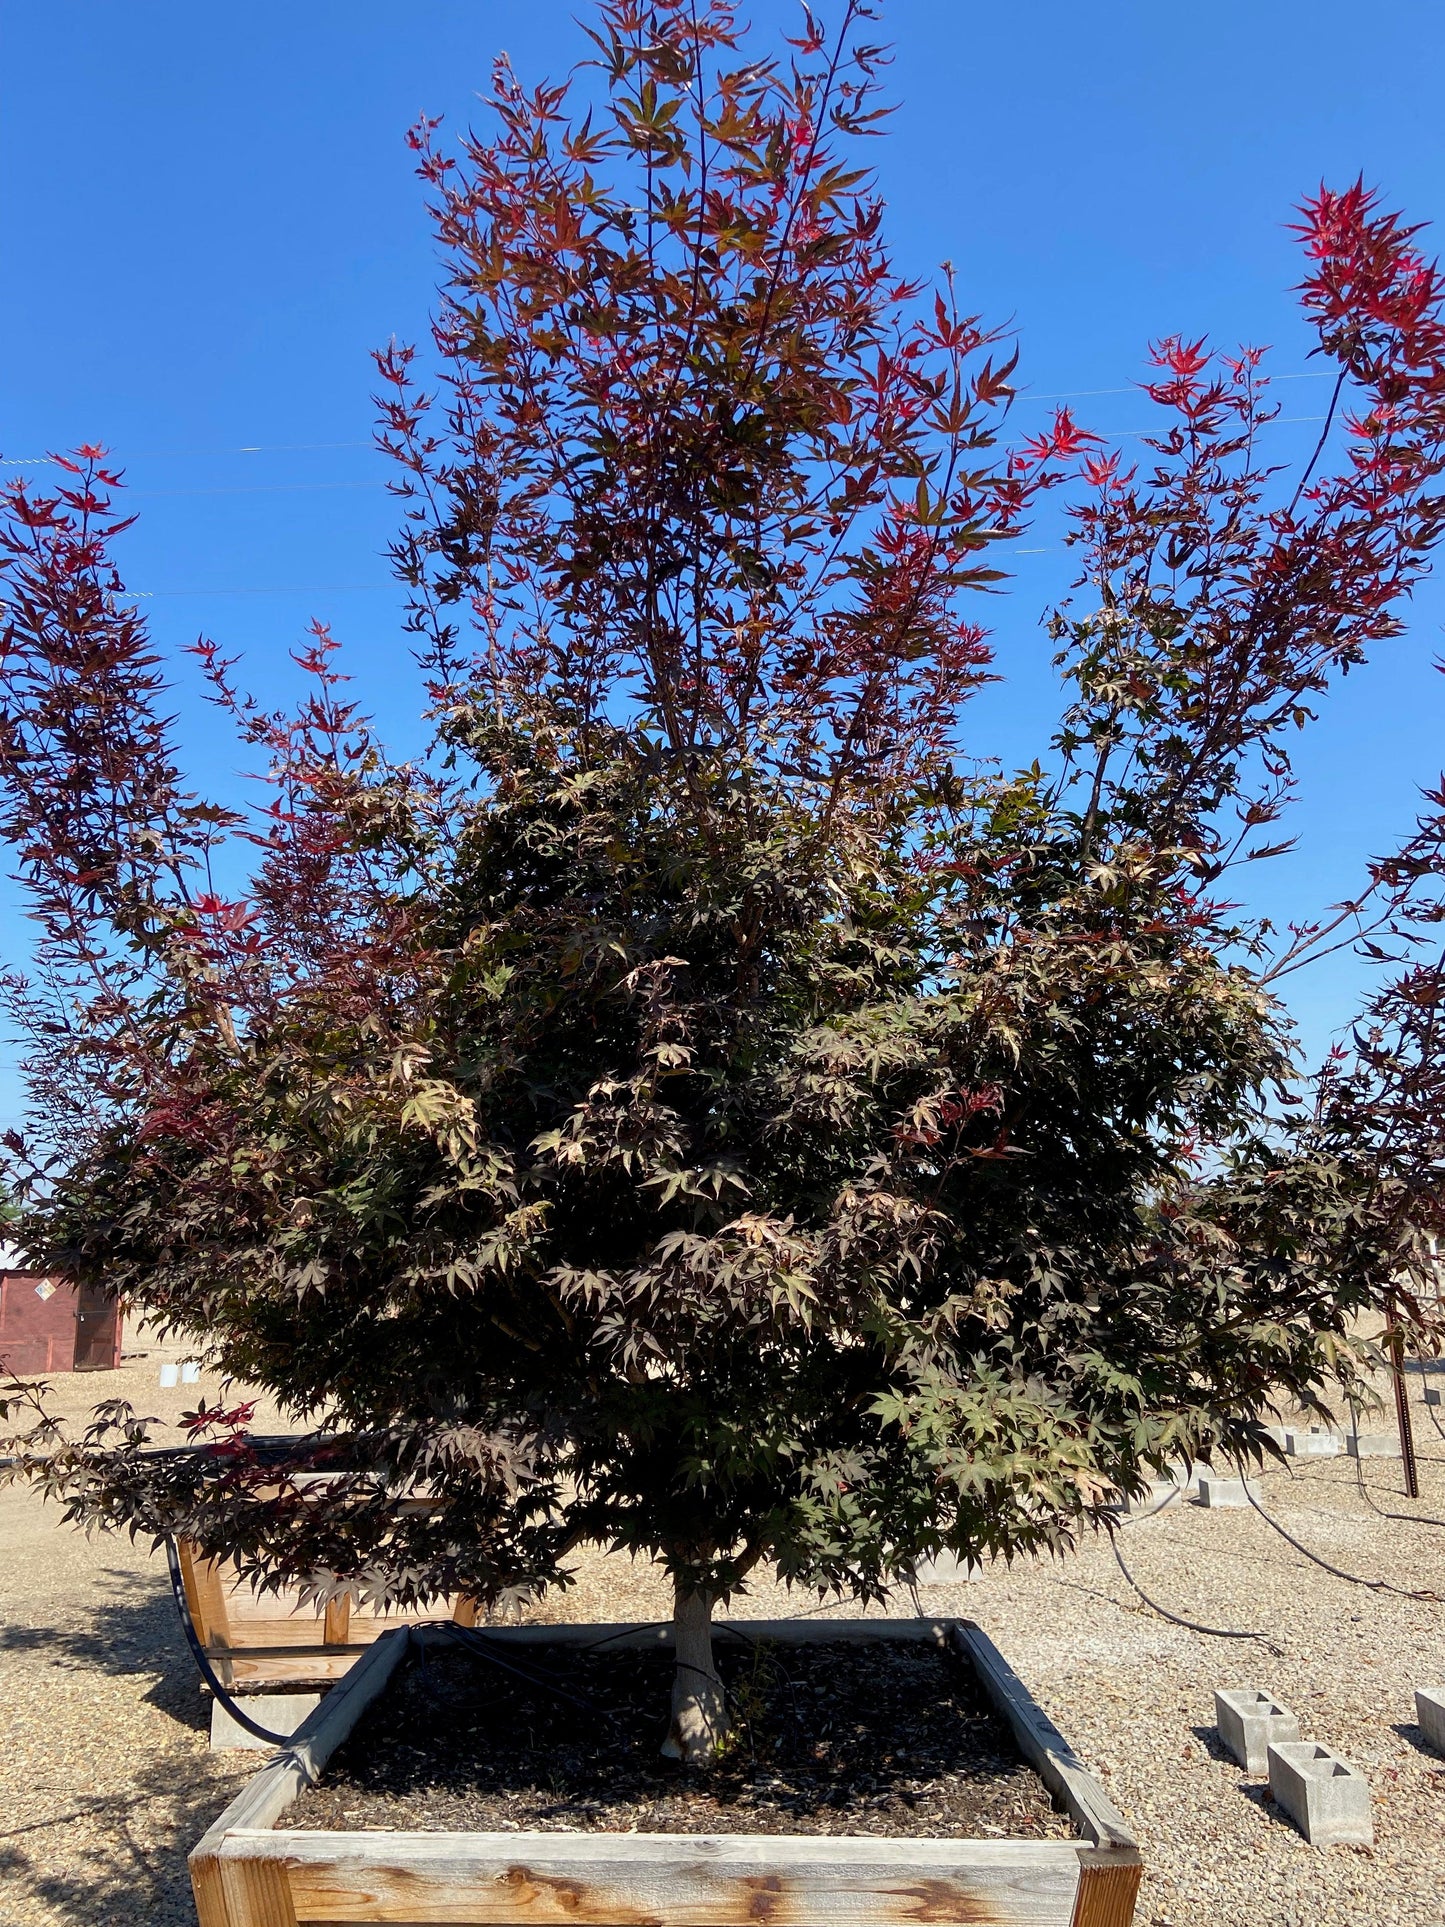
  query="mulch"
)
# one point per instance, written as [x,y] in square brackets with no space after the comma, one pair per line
[828,1738]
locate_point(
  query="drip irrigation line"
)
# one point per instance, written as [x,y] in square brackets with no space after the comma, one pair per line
[1407,1518]
[686,1666]
[474,1642]
[1351,1578]
[1171,1497]
[486,1649]
[642,1625]
[749,1640]
[1434,1414]
[202,1659]
[1178,1619]
[648,1625]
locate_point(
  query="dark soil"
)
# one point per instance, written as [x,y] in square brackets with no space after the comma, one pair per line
[878,1739]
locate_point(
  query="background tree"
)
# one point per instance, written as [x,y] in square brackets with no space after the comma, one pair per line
[696,1109]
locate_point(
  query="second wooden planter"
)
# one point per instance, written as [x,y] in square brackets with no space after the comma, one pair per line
[247,1872]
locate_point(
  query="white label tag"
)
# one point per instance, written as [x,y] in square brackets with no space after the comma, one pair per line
[45,1291]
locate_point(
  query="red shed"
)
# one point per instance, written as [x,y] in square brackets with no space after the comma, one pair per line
[46,1325]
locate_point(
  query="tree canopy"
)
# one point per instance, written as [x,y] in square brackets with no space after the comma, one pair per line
[702,1106]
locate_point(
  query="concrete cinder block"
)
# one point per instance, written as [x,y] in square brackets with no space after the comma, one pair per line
[1434,1395]
[946,1569]
[1150,1500]
[1313,1442]
[1176,1483]
[1248,1721]
[1326,1797]
[1373,1445]
[1215,1491]
[1430,1714]
[279,1712]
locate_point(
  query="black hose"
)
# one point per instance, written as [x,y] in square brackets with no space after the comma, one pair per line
[484,1648]
[1434,1415]
[1194,1626]
[199,1655]
[1405,1518]
[1351,1578]
[1174,1493]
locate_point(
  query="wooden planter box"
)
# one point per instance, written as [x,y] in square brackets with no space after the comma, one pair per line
[246,1873]
[271,1638]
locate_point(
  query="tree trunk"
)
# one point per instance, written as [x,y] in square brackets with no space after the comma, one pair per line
[699,1709]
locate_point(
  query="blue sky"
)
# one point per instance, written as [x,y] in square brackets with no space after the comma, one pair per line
[209,220]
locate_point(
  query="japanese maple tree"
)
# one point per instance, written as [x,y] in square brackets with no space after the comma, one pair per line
[701,1107]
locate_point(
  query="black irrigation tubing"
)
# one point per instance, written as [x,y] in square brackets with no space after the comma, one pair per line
[642,1625]
[199,1655]
[1407,1518]
[1351,1578]
[1170,1498]
[649,1625]
[486,1649]
[1178,1619]
[753,1645]
[1434,1413]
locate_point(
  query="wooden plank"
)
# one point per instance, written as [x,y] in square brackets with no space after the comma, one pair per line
[1041,1742]
[206,1600]
[195,1605]
[667,1880]
[336,1628]
[258,1893]
[205,1594]
[206,1888]
[309,1668]
[266,1796]
[272,1621]
[1108,1890]
[290,1652]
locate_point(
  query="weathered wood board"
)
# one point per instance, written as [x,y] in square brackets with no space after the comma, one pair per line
[262,1639]
[246,1873]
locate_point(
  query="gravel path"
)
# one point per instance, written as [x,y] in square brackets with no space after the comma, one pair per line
[105,1780]
[106,1777]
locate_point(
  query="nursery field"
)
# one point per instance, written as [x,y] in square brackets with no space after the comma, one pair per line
[106,1779]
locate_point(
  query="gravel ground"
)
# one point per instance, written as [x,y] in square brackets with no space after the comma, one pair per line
[105,1780]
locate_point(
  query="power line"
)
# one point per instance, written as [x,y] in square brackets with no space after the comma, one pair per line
[298,588]
[321,488]
[1138,387]
[296,448]
[256,488]
[192,454]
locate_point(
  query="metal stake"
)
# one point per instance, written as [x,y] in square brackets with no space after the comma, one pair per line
[1402,1405]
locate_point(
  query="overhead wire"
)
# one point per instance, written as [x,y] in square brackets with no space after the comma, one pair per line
[297,448]
[367,588]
